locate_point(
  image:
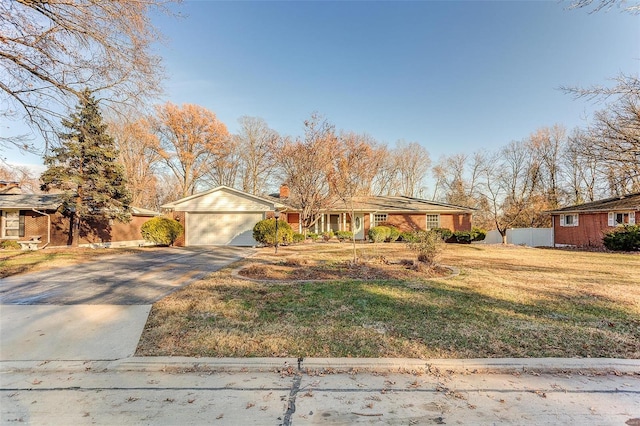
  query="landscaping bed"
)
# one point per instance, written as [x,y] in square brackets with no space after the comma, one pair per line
[505,302]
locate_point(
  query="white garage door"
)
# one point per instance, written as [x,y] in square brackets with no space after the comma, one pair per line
[234,229]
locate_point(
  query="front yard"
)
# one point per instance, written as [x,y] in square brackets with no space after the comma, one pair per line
[505,302]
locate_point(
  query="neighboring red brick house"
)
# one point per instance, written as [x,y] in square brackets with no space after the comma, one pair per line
[585,224]
[405,213]
[27,216]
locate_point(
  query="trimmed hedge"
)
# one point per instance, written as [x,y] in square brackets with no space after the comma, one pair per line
[379,234]
[313,236]
[626,238]
[9,245]
[445,233]
[297,237]
[264,232]
[161,230]
[326,236]
[394,234]
[344,235]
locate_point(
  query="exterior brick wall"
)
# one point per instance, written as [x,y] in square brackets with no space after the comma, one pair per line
[589,232]
[456,222]
[406,222]
[180,217]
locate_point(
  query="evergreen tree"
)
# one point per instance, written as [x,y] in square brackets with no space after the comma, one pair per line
[85,170]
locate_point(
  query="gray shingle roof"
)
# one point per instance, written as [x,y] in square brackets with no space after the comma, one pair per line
[30,201]
[625,202]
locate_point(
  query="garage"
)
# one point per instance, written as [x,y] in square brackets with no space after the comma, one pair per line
[235,229]
[220,216]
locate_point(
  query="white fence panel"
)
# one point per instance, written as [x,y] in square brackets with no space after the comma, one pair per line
[532,237]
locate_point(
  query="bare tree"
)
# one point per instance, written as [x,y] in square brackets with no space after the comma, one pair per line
[224,164]
[257,148]
[25,178]
[606,5]
[51,50]
[305,164]
[140,158]
[413,163]
[354,167]
[189,137]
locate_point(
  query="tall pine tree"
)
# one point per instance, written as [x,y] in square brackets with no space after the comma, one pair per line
[86,171]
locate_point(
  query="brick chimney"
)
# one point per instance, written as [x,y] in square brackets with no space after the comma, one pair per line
[284,191]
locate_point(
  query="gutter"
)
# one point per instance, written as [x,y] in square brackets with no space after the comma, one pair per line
[48,226]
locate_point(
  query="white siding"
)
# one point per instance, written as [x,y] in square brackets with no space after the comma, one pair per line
[224,201]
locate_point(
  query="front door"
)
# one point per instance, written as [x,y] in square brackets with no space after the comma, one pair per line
[358,226]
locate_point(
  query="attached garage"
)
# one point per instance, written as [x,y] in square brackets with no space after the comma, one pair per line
[221,216]
[221,229]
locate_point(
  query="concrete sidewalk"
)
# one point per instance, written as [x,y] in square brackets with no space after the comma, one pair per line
[273,391]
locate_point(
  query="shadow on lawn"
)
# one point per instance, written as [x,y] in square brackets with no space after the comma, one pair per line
[391,319]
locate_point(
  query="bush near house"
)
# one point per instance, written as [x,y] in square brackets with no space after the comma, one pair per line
[478,234]
[9,245]
[406,237]
[626,238]
[445,233]
[297,237]
[161,230]
[394,234]
[428,245]
[313,236]
[264,232]
[379,234]
[326,236]
[344,235]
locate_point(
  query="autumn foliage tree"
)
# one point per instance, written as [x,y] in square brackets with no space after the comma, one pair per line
[190,138]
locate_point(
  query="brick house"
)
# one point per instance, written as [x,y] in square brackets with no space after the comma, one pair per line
[585,224]
[405,213]
[25,217]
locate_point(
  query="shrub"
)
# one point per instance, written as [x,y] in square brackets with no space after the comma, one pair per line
[462,237]
[264,232]
[445,233]
[297,237]
[626,238]
[326,236]
[161,230]
[406,237]
[9,245]
[428,245]
[394,234]
[313,236]
[379,234]
[344,235]
[478,234]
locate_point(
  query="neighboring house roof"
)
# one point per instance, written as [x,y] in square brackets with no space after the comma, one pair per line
[30,201]
[139,211]
[624,202]
[268,200]
[50,202]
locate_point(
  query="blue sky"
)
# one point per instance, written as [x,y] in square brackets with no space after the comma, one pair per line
[453,76]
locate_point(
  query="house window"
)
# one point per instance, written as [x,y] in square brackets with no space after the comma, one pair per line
[433,221]
[622,218]
[569,220]
[12,224]
[379,218]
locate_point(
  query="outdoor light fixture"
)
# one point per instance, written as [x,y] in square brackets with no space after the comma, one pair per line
[276,214]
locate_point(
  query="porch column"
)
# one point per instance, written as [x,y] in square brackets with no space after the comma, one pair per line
[322,223]
[344,221]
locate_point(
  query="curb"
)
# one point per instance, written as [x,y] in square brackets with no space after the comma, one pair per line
[339,365]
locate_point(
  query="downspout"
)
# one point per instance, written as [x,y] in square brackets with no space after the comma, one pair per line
[48,226]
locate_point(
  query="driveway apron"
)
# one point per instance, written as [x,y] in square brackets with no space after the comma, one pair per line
[96,310]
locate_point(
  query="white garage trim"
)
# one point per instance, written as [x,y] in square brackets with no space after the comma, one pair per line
[221,228]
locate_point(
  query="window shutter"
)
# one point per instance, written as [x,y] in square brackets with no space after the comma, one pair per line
[612,219]
[575,219]
[632,218]
[21,225]
[562,220]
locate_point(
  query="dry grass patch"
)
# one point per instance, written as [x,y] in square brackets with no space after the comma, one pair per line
[506,302]
[13,262]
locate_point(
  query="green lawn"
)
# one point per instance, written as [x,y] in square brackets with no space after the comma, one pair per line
[506,302]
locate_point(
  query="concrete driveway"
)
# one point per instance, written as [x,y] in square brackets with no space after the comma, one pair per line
[96,310]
